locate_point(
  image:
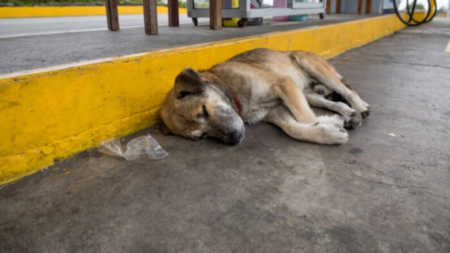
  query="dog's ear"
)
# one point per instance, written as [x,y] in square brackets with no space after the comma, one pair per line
[163,128]
[188,82]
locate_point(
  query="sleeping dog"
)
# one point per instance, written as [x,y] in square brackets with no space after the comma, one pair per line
[278,87]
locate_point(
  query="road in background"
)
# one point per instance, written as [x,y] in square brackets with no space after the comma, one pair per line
[17,27]
[32,52]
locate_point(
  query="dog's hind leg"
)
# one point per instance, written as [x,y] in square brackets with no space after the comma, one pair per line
[318,132]
[296,102]
[319,69]
[352,118]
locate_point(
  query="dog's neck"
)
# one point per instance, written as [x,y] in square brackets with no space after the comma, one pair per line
[217,81]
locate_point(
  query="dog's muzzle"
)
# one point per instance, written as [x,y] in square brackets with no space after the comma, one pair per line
[235,137]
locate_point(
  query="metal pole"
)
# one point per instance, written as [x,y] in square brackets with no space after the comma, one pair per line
[112,15]
[150,17]
[215,14]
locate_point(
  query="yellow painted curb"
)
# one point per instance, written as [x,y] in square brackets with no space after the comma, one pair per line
[62,11]
[55,113]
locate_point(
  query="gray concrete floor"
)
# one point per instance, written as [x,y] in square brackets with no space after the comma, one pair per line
[64,47]
[377,193]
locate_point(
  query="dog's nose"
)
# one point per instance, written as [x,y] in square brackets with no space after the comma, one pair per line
[235,137]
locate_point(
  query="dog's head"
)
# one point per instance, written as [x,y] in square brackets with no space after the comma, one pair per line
[196,110]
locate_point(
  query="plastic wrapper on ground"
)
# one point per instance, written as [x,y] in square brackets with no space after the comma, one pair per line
[134,148]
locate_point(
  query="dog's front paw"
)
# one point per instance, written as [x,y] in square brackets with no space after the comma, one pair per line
[353,119]
[364,109]
[366,113]
[332,134]
[331,119]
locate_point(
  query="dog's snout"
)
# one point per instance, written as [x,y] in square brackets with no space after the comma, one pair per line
[235,137]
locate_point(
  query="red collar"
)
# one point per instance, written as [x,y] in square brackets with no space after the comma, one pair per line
[236,101]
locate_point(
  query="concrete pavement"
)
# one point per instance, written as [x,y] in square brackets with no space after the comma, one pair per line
[386,190]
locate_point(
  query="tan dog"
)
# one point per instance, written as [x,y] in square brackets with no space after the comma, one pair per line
[261,85]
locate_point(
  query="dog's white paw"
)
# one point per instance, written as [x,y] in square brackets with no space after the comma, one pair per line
[331,119]
[363,108]
[352,119]
[331,134]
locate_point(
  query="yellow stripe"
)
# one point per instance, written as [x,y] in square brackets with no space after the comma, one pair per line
[62,11]
[57,113]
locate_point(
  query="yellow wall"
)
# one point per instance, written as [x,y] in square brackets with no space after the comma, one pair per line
[57,113]
[60,11]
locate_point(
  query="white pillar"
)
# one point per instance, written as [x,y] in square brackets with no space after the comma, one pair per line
[448,8]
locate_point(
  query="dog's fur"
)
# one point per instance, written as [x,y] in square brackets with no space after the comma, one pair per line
[272,86]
